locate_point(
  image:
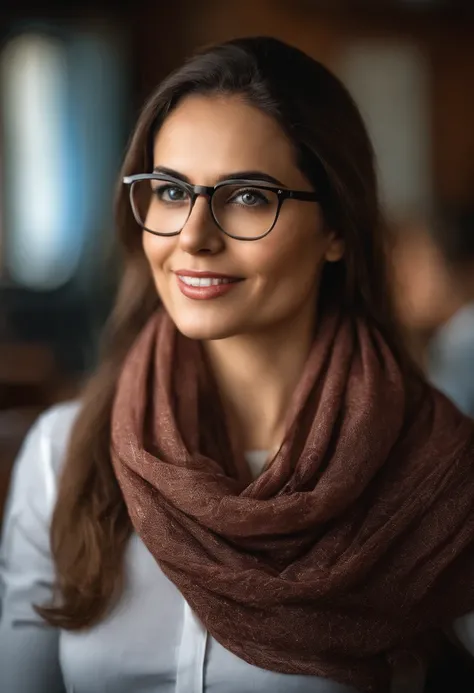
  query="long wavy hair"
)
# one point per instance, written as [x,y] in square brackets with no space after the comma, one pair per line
[90,525]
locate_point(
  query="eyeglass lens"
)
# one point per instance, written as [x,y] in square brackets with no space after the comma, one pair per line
[242,211]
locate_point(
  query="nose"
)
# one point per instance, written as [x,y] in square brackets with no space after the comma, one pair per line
[200,234]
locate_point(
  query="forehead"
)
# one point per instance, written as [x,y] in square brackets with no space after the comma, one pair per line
[206,137]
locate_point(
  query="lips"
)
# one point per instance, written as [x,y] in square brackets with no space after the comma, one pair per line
[205,285]
[205,281]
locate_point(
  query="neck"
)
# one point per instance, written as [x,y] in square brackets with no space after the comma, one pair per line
[256,375]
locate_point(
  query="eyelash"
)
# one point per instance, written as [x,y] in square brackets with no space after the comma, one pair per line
[252,191]
[161,190]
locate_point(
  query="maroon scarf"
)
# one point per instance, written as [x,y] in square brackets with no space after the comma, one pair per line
[354,543]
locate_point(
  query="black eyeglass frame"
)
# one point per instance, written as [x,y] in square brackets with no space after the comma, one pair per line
[208,191]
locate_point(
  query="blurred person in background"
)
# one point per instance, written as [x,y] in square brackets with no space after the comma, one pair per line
[419,279]
[451,350]
[433,264]
[257,489]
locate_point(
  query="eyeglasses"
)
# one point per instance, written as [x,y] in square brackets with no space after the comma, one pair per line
[246,210]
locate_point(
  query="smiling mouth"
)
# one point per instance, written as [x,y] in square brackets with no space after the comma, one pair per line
[203,288]
[206,281]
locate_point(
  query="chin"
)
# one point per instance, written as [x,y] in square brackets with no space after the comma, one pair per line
[205,330]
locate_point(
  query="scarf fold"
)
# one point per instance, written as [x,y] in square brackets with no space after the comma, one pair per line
[354,543]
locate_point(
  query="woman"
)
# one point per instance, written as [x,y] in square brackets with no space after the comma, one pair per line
[257,490]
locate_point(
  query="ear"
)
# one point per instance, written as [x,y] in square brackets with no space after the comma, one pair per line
[335,248]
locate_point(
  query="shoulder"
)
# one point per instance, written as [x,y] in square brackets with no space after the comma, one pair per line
[39,462]
[451,359]
[456,337]
[53,428]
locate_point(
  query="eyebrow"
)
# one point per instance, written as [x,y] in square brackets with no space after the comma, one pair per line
[239,175]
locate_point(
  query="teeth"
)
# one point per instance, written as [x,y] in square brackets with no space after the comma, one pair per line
[203,281]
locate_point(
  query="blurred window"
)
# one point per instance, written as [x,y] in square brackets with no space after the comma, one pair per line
[62,101]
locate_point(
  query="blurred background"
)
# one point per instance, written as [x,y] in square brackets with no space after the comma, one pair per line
[72,82]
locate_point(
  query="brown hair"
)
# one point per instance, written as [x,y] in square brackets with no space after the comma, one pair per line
[90,525]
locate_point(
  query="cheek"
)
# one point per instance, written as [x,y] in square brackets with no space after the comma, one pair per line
[294,256]
[157,251]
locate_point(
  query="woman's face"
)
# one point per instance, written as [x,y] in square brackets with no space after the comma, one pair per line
[206,140]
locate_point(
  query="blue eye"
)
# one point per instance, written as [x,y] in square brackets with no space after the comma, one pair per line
[170,193]
[249,198]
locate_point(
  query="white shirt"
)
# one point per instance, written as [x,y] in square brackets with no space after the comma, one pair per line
[451,359]
[151,642]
